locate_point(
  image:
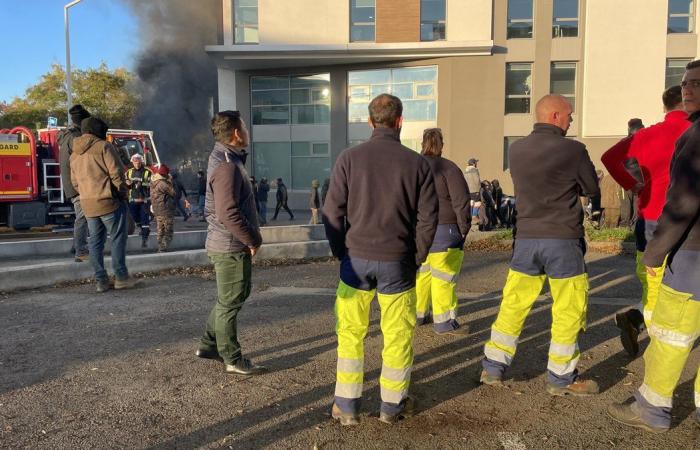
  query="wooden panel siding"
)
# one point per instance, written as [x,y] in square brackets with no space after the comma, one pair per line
[398,21]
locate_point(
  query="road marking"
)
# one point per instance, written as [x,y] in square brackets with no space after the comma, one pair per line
[510,441]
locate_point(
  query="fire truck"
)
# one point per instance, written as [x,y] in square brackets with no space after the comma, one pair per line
[31,191]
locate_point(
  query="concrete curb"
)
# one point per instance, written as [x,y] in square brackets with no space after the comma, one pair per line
[48,274]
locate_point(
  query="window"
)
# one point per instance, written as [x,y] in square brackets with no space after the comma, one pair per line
[565,19]
[507,142]
[518,87]
[675,68]
[432,20]
[562,81]
[293,100]
[680,16]
[519,19]
[245,21]
[362,20]
[297,163]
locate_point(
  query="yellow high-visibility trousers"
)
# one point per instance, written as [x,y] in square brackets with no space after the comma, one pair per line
[435,286]
[650,286]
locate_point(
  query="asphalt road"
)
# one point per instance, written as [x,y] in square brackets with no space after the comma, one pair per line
[81,370]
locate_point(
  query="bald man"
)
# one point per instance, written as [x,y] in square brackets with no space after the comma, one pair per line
[549,173]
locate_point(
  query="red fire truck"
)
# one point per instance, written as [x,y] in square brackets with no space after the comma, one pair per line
[31,192]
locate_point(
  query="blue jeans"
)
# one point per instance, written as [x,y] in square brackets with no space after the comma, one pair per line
[200,204]
[115,224]
[262,212]
[180,205]
[80,229]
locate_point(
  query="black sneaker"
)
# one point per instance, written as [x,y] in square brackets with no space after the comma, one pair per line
[629,331]
[244,366]
[208,354]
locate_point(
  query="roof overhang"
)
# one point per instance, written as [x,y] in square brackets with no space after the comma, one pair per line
[268,56]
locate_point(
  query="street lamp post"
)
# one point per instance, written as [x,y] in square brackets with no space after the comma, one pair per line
[69,84]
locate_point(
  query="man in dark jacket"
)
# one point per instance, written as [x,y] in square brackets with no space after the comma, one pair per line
[263,190]
[549,173]
[65,145]
[282,198]
[675,322]
[381,236]
[201,192]
[233,238]
[181,202]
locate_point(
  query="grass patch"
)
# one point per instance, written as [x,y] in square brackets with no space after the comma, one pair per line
[610,234]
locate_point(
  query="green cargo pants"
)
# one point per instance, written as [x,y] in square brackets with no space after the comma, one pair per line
[233,276]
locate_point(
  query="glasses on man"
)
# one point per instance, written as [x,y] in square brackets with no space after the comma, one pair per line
[690,84]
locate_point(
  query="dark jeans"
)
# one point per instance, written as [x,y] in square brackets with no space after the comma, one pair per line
[80,229]
[180,205]
[286,208]
[142,217]
[115,224]
[233,277]
[262,212]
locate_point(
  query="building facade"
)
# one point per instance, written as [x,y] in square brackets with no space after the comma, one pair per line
[302,73]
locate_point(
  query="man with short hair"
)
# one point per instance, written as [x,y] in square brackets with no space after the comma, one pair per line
[233,238]
[471,174]
[65,144]
[98,177]
[549,243]
[652,148]
[675,322]
[138,178]
[381,237]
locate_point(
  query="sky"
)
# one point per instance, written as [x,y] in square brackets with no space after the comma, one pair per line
[100,30]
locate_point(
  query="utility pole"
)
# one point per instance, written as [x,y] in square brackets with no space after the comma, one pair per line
[69,83]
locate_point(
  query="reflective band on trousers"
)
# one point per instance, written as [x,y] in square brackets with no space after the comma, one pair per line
[497,355]
[350,365]
[654,398]
[562,369]
[391,396]
[697,399]
[444,317]
[424,268]
[348,390]
[504,339]
[443,276]
[398,375]
[563,349]
[671,337]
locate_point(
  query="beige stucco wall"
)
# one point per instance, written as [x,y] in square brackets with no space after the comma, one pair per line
[469,20]
[306,22]
[624,71]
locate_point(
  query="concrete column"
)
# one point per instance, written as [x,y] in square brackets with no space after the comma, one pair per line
[227,7]
[227,89]
[339,113]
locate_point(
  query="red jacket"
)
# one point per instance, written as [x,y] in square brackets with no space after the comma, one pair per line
[653,148]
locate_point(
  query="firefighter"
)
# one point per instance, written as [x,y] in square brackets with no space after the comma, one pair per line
[437,277]
[380,224]
[675,320]
[138,178]
[549,173]
[652,147]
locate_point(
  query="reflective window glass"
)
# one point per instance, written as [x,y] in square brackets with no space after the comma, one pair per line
[563,81]
[681,16]
[519,19]
[271,160]
[675,68]
[433,15]
[362,20]
[245,21]
[518,87]
[565,19]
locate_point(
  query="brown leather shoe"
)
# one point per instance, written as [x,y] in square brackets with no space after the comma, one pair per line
[129,283]
[345,419]
[629,415]
[579,388]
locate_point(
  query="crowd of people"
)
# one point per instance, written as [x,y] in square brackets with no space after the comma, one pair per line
[404,243]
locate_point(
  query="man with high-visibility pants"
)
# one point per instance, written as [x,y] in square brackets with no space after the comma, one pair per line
[652,147]
[380,217]
[549,174]
[675,321]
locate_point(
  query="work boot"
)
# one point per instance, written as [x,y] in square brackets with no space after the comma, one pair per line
[579,388]
[458,330]
[207,353]
[345,419]
[128,283]
[409,409]
[629,323]
[425,320]
[491,380]
[103,286]
[629,415]
[144,242]
[244,366]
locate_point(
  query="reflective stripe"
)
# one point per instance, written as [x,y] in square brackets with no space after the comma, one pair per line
[647,315]
[421,315]
[654,398]
[348,390]
[399,375]
[495,354]
[671,337]
[445,317]
[440,275]
[563,349]
[697,399]
[504,339]
[350,365]
[424,268]
[562,369]
[391,396]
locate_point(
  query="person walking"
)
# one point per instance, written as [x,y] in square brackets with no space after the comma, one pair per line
[233,238]
[263,190]
[437,277]
[181,202]
[254,183]
[138,178]
[98,177]
[549,243]
[65,145]
[163,204]
[201,193]
[324,190]
[497,194]
[381,237]
[675,319]
[282,198]
[314,202]
[653,149]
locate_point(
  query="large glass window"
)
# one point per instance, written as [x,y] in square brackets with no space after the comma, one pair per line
[565,19]
[519,19]
[432,20]
[518,87]
[507,142]
[562,81]
[245,21]
[681,18]
[675,68]
[297,163]
[291,100]
[362,20]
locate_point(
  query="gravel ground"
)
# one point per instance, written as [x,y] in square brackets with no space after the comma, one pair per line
[80,370]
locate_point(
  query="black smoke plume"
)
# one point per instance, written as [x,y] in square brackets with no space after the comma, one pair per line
[176,79]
